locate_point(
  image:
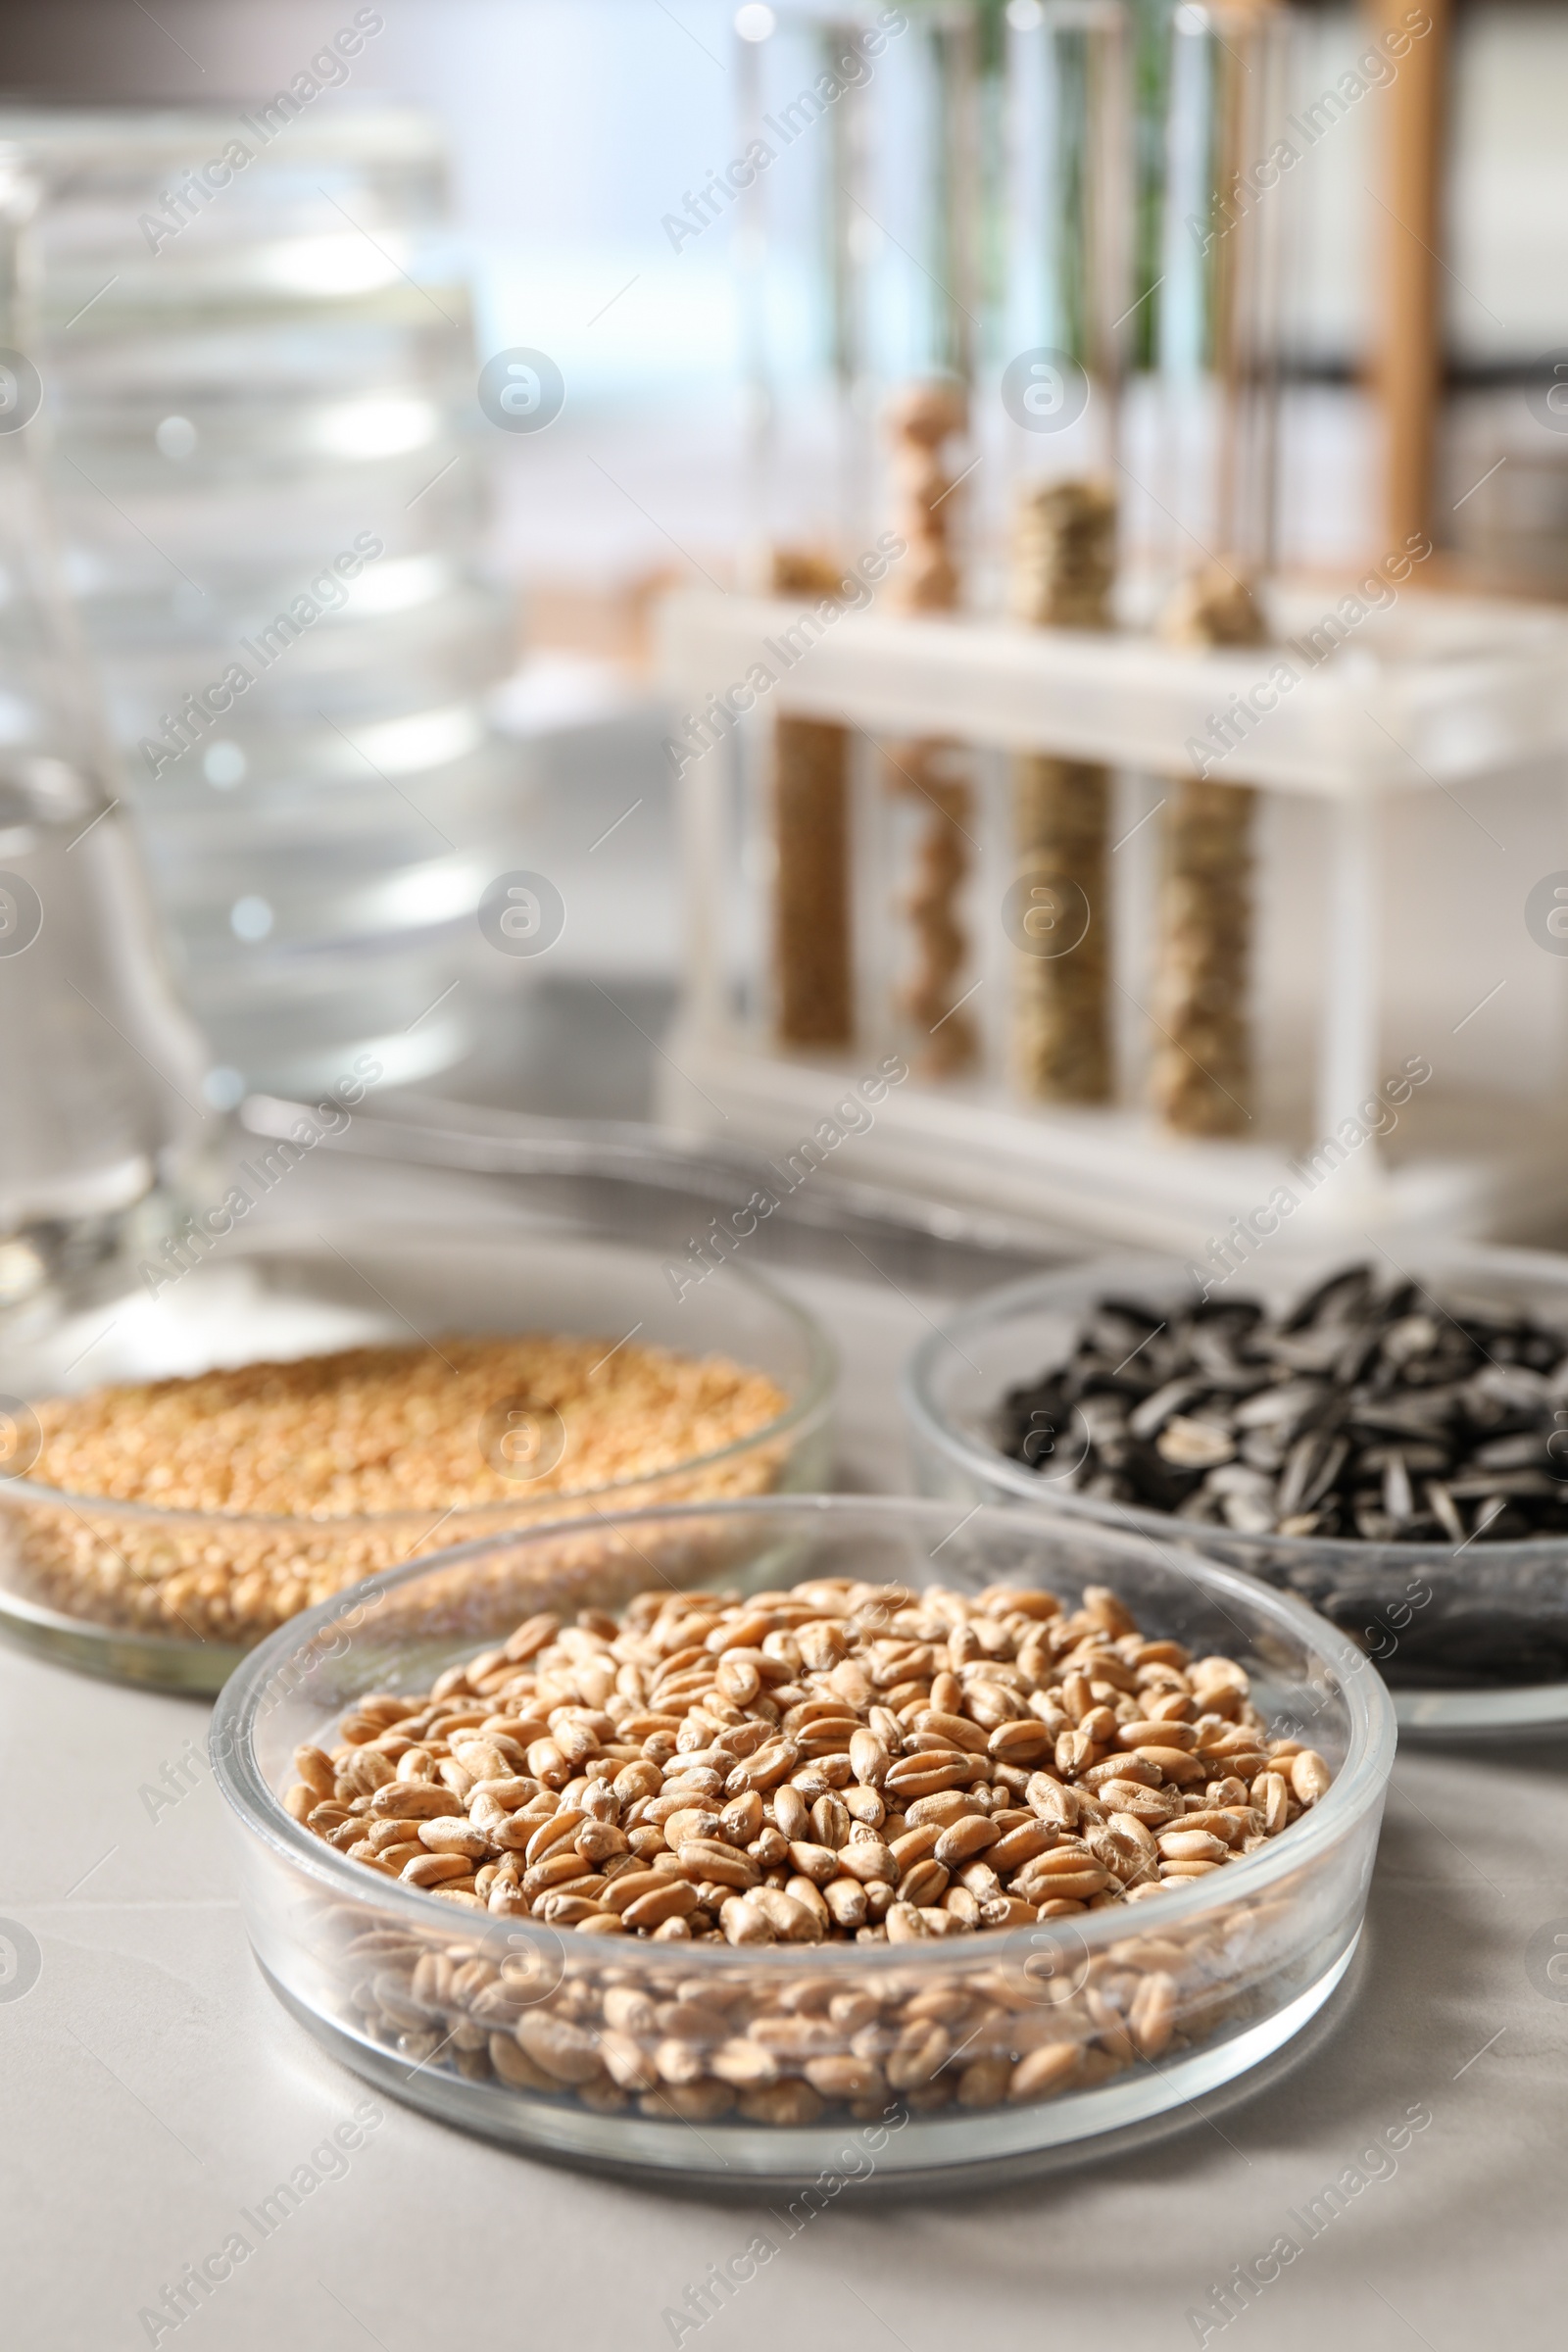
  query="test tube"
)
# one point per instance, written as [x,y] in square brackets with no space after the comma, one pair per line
[1218,347]
[802,76]
[924,204]
[1069,186]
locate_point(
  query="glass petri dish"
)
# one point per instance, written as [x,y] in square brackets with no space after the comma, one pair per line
[1470,1638]
[173,1598]
[432,2001]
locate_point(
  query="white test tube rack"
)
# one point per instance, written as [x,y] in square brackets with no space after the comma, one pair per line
[1438,726]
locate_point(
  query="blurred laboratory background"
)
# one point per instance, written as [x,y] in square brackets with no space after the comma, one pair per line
[289,371]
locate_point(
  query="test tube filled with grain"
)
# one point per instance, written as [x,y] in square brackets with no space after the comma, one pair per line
[1218,392]
[932,775]
[1068,306]
[814,962]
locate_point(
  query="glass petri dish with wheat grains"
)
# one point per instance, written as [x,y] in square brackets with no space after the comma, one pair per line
[680,2035]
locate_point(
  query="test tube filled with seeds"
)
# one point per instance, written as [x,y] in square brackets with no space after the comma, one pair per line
[813,964]
[932,775]
[1067,303]
[1218,400]
[926,187]
[801,297]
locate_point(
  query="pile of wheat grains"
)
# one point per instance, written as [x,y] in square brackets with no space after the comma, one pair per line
[839,1761]
[836,1764]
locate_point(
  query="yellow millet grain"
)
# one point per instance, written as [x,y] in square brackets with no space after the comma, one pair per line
[355,1436]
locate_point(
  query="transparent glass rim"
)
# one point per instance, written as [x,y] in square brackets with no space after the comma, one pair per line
[368,127]
[817,1393]
[916,1385]
[1358,1787]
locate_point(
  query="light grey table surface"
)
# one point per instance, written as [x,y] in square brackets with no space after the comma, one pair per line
[151,2087]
